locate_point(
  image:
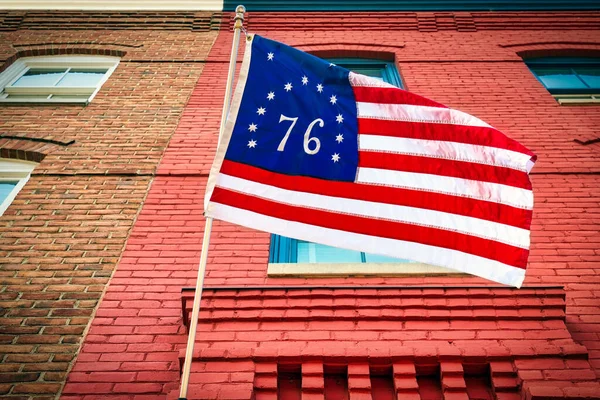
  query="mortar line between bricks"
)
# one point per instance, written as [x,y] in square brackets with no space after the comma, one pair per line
[188,289]
[205,175]
[566,173]
[124,174]
[33,139]
[141,61]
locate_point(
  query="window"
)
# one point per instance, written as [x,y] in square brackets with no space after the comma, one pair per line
[569,80]
[55,79]
[297,257]
[287,250]
[13,176]
[383,70]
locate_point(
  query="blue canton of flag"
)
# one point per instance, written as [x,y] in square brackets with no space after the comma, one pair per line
[297,115]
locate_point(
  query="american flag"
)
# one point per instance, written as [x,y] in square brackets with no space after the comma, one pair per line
[315,152]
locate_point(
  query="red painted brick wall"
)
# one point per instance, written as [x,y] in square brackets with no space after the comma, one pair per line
[530,346]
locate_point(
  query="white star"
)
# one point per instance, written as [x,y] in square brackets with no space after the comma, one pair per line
[339,138]
[331,65]
[270,56]
[304,80]
[335,157]
[339,118]
[261,111]
[271,96]
[252,144]
[252,128]
[320,88]
[333,99]
[288,86]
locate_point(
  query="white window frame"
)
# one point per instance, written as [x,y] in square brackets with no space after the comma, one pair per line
[80,94]
[14,170]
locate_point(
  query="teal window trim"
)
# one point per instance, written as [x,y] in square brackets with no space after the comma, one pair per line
[569,66]
[285,250]
[562,61]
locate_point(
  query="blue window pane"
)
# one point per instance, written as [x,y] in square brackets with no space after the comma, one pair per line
[82,78]
[591,76]
[376,73]
[376,258]
[559,78]
[40,77]
[319,253]
[5,189]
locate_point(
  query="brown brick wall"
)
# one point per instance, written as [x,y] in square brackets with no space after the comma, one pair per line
[62,237]
[59,241]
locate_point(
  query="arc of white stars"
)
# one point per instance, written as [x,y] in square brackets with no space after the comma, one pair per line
[335,157]
[339,138]
[270,56]
[339,118]
[331,65]
[288,86]
[252,127]
[252,143]
[305,80]
[271,96]
[333,99]
[261,111]
[320,88]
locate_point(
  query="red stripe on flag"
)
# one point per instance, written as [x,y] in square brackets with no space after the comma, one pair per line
[368,94]
[439,166]
[476,135]
[501,252]
[486,210]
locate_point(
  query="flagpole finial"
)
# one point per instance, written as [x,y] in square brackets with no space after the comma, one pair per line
[239,17]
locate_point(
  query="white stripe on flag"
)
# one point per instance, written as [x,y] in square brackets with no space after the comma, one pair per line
[433,255]
[408,112]
[363,80]
[419,216]
[498,193]
[446,150]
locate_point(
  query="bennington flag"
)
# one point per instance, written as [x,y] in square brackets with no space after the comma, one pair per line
[315,152]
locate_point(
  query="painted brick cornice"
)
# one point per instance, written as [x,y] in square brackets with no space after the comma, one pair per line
[421,21]
[391,303]
[197,21]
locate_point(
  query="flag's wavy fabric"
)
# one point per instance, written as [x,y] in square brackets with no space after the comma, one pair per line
[315,152]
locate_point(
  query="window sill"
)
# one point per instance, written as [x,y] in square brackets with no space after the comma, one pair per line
[361,269]
[47,101]
[578,102]
[577,99]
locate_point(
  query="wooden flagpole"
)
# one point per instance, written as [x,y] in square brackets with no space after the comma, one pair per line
[187,365]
